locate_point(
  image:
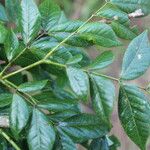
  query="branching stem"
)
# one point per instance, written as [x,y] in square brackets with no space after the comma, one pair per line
[48,55]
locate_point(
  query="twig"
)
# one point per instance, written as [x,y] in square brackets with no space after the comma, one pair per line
[9,140]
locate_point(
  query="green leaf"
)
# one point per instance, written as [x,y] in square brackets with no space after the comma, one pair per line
[110,11]
[73,41]
[11,45]
[66,141]
[96,33]
[44,44]
[52,103]
[30,20]
[3,16]
[103,96]
[13,10]
[99,144]
[130,6]
[134,112]
[75,59]
[137,58]
[3,34]
[83,127]
[100,34]
[114,142]
[41,135]
[62,55]
[5,99]
[123,31]
[69,26]
[32,86]
[51,14]
[19,115]
[65,114]
[102,61]
[79,82]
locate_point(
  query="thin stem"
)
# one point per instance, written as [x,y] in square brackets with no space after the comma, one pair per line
[22,69]
[55,48]
[10,63]
[26,94]
[9,140]
[64,66]
[103,75]
[14,87]
[54,63]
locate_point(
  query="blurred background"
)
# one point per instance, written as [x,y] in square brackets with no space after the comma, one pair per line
[82,9]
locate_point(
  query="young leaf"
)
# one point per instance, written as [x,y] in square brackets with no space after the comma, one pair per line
[103,96]
[19,114]
[137,58]
[41,135]
[30,17]
[134,112]
[79,82]
[11,45]
[130,6]
[5,99]
[83,127]
[110,11]
[102,61]
[3,16]
[32,86]
[66,141]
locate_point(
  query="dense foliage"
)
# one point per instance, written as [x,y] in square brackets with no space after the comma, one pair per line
[47,77]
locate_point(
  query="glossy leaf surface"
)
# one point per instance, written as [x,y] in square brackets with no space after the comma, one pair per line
[29,20]
[41,135]
[137,54]
[103,96]
[19,114]
[32,86]
[102,61]
[134,112]
[78,81]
